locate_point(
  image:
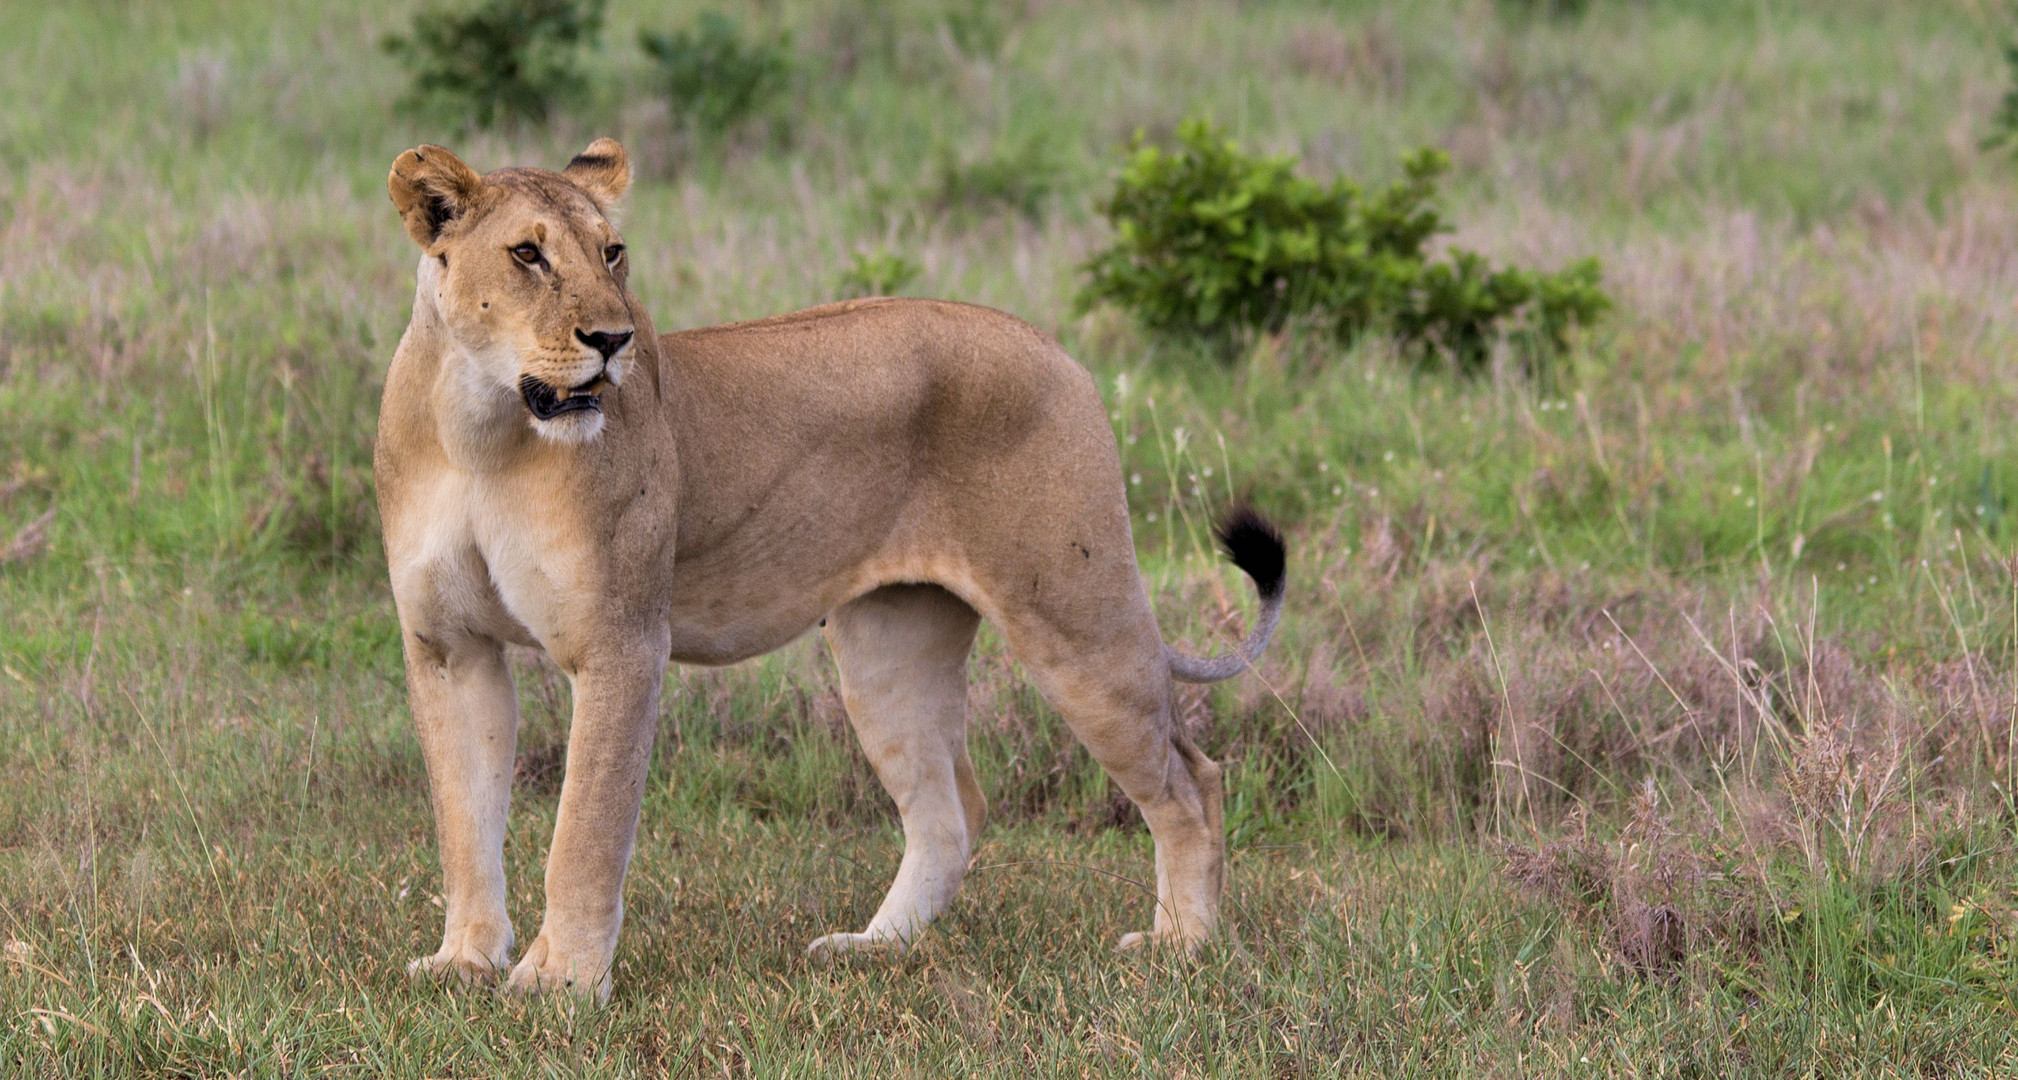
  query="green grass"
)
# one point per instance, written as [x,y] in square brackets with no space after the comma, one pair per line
[1655,719]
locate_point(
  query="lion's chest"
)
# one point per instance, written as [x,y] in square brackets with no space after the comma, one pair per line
[490,562]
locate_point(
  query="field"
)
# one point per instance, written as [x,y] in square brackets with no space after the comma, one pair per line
[1652,714]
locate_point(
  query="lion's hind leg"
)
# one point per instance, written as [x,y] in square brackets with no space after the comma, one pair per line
[902,655]
[1112,685]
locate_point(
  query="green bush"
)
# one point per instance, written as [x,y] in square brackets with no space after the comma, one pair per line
[1216,243]
[714,76]
[876,273]
[505,59]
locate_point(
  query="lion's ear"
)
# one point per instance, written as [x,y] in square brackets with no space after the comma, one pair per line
[603,170]
[431,187]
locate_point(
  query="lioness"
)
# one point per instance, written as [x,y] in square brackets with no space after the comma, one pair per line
[553,472]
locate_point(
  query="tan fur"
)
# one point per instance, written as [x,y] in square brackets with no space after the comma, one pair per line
[905,467]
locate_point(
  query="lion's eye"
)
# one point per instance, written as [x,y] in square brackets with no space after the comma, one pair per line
[612,253]
[527,254]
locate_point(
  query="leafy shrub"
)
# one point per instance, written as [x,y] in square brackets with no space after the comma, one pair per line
[877,273]
[505,59]
[714,76]
[1020,178]
[1216,243]
[2004,125]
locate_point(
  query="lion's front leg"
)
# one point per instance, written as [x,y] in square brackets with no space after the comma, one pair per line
[466,714]
[609,747]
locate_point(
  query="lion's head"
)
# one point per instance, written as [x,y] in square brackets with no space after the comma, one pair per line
[528,274]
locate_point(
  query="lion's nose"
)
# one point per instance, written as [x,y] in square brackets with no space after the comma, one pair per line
[604,342]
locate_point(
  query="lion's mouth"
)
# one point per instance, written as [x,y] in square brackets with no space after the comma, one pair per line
[547,403]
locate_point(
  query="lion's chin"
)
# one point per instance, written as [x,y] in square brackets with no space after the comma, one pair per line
[571,428]
[574,418]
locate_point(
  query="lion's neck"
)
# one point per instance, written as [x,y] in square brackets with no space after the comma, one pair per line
[480,426]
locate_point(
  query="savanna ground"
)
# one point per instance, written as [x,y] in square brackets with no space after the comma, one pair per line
[1651,715]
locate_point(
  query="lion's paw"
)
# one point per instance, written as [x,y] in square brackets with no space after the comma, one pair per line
[1158,939]
[543,971]
[471,958]
[834,946]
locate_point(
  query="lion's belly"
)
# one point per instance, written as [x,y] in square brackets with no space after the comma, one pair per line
[713,629]
[761,609]
[718,646]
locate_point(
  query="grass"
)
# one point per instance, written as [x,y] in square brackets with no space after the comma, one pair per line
[1653,719]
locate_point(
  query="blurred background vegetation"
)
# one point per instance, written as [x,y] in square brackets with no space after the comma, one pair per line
[1645,701]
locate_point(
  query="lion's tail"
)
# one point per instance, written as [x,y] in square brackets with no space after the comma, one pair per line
[1256,547]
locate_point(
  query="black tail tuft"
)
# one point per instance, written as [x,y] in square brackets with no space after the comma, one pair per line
[1256,547]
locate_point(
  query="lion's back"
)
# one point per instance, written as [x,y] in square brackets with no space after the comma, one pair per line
[955,374]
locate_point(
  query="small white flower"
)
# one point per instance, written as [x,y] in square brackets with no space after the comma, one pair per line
[1336,490]
[1877,496]
[1324,466]
[1389,456]
[1135,478]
